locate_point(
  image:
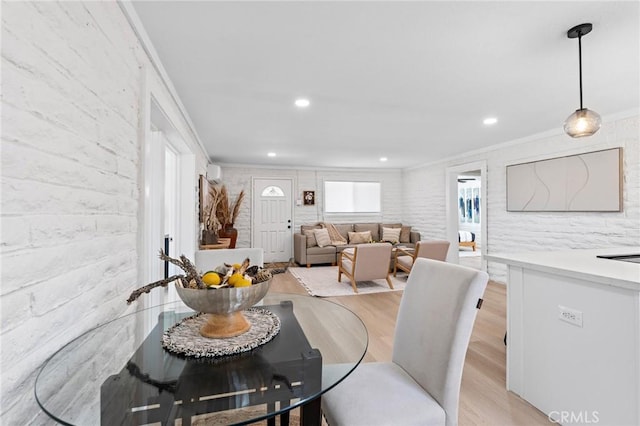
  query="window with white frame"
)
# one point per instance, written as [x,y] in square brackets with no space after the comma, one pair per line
[351,197]
[273,191]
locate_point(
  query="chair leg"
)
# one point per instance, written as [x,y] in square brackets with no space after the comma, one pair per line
[389,282]
[395,268]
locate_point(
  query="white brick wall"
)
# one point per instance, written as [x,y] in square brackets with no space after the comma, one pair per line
[424,206]
[424,202]
[72,84]
[237,178]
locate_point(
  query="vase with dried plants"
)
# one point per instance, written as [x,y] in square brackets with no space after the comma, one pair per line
[227,213]
[211,224]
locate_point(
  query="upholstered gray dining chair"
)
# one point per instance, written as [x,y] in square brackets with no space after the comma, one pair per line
[421,384]
[404,258]
[365,262]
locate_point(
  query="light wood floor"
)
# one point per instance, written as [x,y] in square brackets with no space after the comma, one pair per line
[483,397]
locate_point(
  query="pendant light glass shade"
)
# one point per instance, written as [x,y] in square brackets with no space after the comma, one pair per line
[583,122]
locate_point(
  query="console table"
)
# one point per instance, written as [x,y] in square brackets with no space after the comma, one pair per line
[223,243]
[119,374]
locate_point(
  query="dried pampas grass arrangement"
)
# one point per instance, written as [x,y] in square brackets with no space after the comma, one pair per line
[236,206]
[227,212]
[210,220]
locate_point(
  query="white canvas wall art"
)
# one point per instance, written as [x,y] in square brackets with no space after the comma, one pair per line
[584,182]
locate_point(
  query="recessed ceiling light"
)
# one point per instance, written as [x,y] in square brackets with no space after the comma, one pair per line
[383,159]
[302,103]
[490,121]
[271,154]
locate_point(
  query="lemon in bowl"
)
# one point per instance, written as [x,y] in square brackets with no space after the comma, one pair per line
[211,278]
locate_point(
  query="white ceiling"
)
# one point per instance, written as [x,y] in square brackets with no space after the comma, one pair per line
[411,81]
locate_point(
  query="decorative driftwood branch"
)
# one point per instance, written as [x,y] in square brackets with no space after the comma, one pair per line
[169,259]
[192,273]
[147,288]
[183,263]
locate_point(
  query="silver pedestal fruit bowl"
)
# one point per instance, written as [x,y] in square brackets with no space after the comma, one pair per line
[224,307]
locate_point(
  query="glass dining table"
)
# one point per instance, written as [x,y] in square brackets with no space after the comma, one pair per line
[119,373]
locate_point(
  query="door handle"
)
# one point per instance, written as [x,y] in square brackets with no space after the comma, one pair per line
[167,239]
[289,221]
[289,227]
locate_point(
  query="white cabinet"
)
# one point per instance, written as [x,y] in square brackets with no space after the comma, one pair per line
[573,324]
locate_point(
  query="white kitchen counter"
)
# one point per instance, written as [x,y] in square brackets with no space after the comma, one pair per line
[573,334]
[580,264]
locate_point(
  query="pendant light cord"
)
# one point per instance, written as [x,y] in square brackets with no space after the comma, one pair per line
[580,65]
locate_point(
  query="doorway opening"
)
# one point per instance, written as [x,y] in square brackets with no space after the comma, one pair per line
[466,214]
[168,200]
[469,213]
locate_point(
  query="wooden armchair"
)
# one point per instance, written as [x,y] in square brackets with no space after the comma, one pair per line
[364,263]
[404,259]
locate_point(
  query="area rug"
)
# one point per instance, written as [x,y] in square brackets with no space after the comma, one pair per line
[322,281]
[243,415]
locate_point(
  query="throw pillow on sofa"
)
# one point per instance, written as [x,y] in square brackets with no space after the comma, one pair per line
[391,235]
[405,234]
[311,238]
[389,225]
[359,237]
[371,227]
[322,237]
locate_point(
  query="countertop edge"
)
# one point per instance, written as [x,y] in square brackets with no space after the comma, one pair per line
[603,278]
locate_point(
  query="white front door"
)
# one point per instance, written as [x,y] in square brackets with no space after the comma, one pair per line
[272,218]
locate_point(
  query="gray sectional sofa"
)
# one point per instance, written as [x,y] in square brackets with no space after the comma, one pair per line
[306,252]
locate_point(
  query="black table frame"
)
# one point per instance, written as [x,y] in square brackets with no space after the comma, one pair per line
[157,386]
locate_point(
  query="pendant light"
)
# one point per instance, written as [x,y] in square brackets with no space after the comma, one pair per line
[583,122]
